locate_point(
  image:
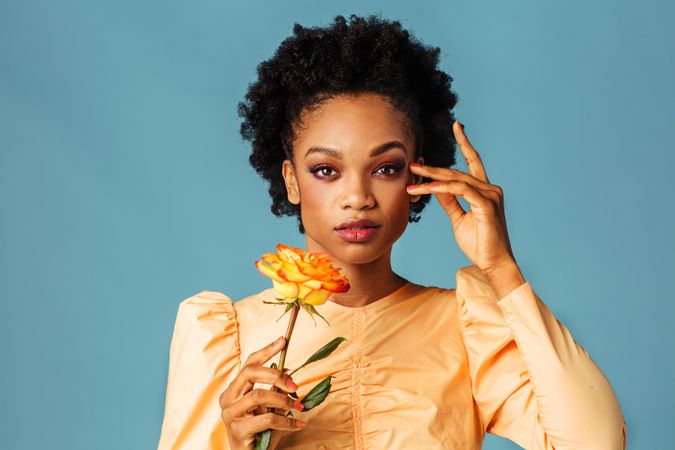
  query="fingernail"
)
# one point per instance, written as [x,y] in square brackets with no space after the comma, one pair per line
[299,423]
[291,385]
[414,164]
[279,341]
[299,406]
[412,186]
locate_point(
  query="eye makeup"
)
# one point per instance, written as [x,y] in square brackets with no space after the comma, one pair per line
[388,169]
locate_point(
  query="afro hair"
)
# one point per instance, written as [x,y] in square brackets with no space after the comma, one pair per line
[368,54]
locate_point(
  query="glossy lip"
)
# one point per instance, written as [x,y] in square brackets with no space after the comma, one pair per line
[357,223]
[358,234]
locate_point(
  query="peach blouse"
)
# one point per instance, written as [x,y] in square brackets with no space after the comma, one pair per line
[422,368]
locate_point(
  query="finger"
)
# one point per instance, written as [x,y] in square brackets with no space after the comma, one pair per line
[250,426]
[263,355]
[263,410]
[251,374]
[239,386]
[260,397]
[445,174]
[448,202]
[478,200]
[475,197]
[473,160]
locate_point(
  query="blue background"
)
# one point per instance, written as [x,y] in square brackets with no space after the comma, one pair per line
[125,188]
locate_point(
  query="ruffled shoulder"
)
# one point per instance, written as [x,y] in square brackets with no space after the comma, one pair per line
[204,357]
[478,302]
[209,318]
[476,298]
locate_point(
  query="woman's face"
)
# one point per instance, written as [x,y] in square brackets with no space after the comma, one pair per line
[351,162]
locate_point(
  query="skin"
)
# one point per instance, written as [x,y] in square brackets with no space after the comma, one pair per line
[358,185]
[244,407]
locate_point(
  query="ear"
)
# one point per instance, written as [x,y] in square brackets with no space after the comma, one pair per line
[416,179]
[292,188]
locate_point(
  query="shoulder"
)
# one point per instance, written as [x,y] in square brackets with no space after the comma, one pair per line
[472,277]
[215,305]
[205,314]
[253,309]
[206,304]
[471,285]
[467,278]
[206,298]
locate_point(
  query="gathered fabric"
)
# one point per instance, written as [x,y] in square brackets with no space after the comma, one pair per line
[424,367]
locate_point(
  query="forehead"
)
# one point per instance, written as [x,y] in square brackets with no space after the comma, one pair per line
[352,124]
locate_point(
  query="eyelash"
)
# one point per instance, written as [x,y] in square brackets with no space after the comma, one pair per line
[314,169]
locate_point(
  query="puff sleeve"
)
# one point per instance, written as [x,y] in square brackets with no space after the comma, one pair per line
[204,357]
[532,383]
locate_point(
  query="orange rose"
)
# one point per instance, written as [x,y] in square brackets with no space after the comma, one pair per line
[307,276]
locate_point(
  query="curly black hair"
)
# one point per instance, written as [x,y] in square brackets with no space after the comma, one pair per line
[368,54]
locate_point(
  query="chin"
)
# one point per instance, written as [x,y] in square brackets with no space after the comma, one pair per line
[357,252]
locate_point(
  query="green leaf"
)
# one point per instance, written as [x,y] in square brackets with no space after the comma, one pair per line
[289,306]
[305,306]
[322,352]
[263,439]
[317,395]
[314,311]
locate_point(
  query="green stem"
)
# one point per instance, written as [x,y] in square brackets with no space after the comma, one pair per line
[289,332]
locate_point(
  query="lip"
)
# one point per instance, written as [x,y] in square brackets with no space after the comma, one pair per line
[357,223]
[357,234]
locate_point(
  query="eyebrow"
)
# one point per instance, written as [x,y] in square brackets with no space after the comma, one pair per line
[374,152]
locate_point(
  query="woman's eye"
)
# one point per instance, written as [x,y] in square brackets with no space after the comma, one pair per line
[325,171]
[321,169]
[393,168]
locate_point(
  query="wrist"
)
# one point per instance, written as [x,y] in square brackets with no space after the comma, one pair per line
[505,278]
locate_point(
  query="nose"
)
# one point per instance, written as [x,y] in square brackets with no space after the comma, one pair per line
[357,194]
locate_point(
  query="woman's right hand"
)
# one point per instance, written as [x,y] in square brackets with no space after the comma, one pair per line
[244,409]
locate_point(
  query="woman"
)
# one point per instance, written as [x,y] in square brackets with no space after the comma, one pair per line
[338,118]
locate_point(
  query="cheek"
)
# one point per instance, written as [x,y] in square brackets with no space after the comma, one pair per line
[395,199]
[315,199]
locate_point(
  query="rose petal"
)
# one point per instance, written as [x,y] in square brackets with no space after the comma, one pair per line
[290,273]
[317,297]
[286,289]
[268,271]
[303,291]
[312,284]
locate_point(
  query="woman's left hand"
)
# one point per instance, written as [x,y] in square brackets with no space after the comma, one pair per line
[480,233]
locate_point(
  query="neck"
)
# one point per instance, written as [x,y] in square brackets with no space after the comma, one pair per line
[368,281]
